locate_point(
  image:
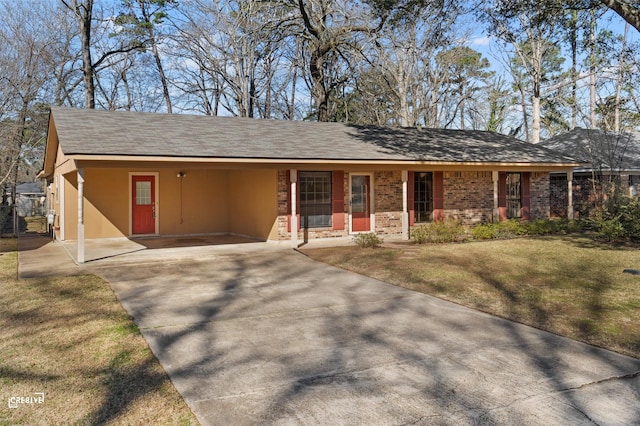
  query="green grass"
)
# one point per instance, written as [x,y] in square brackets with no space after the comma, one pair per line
[70,338]
[568,285]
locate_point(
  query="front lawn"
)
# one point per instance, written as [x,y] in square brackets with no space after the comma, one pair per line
[69,354]
[568,285]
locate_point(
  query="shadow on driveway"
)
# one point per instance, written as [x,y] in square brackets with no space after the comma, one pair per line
[252,334]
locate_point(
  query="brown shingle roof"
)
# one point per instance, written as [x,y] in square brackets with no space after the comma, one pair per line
[96,132]
[606,150]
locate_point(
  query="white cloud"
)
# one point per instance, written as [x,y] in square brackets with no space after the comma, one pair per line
[481,41]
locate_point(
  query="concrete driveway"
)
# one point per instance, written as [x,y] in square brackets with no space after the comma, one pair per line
[254,334]
[257,334]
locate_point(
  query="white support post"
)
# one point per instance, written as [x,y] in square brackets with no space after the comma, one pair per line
[570,195]
[496,213]
[81,252]
[405,205]
[293,174]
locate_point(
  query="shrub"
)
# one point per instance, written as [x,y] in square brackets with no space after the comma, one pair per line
[500,230]
[543,227]
[618,219]
[611,230]
[485,231]
[511,228]
[448,231]
[370,240]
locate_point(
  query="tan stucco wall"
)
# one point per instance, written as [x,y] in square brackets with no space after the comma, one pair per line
[194,204]
[203,202]
[253,203]
[105,205]
[70,200]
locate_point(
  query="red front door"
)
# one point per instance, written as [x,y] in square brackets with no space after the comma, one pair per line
[360,204]
[143,211]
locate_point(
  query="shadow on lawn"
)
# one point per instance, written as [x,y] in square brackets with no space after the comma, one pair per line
[68,338]
[527,292]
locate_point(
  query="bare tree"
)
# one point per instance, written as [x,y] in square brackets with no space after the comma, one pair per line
[237,42]
[329,29]
[22,80]
[142,19]
[83,11]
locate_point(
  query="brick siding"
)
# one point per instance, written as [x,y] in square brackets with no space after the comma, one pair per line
[468,197]
[388,202]
[540,193]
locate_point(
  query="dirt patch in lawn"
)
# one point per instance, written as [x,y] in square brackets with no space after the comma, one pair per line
[567,285]
[69,354]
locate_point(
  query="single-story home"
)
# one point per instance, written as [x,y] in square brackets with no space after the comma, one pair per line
[130,174]
[609,158]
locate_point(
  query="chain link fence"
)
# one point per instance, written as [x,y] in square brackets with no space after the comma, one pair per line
[27,215]
[8,224]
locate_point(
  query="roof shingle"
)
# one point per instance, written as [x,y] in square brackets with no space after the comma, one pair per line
[94,132]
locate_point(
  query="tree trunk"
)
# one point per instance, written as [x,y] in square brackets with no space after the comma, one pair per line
[87,65]
[535,114]
[574,70]
[320,92]
[616,124]
[84,15]
[163,78]
[592,70]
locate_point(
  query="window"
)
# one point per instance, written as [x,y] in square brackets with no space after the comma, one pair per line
[143,193]
[315,199]
[423,196]
[514,195]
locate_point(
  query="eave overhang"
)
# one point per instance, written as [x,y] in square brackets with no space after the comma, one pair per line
[111,161]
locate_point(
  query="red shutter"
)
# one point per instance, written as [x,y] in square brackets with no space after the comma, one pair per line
[438,196]
[526,195]
[502,195]
[337,202]
[289,200]
[411,198]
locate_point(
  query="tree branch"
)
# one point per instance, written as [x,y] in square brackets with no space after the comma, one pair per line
[626,10]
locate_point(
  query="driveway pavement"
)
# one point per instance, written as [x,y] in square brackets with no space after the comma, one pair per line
[256,334]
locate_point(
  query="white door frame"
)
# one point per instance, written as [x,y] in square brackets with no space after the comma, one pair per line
[156,177]
[372,215]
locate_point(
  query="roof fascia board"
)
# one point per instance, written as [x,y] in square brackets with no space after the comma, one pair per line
[239,162]
[51,149]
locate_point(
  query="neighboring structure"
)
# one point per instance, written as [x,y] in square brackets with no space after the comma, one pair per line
[131,174]
[611,158]
[30,200]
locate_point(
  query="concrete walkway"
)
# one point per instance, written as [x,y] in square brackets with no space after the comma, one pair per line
[258,334]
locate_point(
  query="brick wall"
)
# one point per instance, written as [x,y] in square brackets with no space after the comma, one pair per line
[388,202]
[468,196]
[305,234]
[584,195]
[540,193]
